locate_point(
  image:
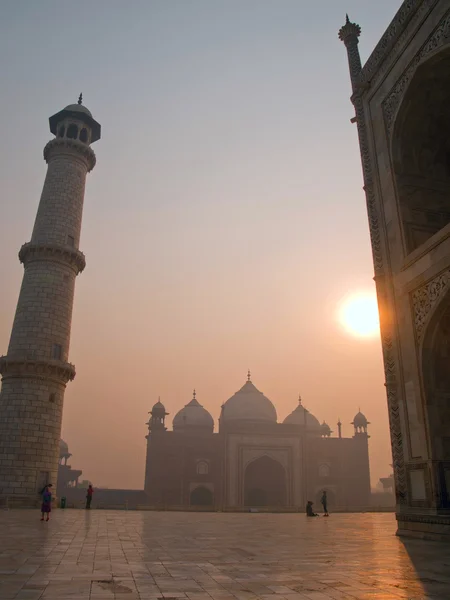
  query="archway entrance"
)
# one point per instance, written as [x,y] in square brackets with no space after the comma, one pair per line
[201,496]
[265,483]
[436,376]
[421,152]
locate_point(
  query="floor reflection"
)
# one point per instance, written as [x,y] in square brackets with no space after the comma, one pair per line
[124,554]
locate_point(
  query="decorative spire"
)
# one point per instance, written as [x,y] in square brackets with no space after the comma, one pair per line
[299,400]
[349,30]
[194,394]
[249,375]
[349,34]
[80,99]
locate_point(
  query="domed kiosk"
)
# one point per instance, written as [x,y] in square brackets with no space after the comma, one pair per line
[193,417]
[158,415]
[64,453]
[248,404]
[360,422]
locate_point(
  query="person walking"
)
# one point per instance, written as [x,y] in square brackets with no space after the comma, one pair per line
[46,506]
[324,502]
[89,493]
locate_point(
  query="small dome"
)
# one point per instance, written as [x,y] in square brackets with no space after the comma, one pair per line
[78,108]
[301,416]
[249,404]
[325,429]
[193,416]
[360,420]
[63,448]
[158,408]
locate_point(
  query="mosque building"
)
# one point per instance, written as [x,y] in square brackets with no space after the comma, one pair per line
[253,461]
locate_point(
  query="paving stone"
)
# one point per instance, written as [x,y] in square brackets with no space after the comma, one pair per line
[215,556]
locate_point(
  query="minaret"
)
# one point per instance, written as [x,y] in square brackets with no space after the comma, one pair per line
[349,34]
[35,370]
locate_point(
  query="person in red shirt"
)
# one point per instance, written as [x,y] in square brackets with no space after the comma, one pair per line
[89,493]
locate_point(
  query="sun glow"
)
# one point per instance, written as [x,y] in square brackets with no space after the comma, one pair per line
[358,315]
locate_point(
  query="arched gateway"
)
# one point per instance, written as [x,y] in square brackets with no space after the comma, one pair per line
[265,483]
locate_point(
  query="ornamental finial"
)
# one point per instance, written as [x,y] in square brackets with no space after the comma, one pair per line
[248,375]
[80,99]
[194,394]
[299,400]
[349,31]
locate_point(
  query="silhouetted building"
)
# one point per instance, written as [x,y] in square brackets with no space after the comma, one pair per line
[253,461]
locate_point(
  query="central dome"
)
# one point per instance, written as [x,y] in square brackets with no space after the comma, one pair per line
[249,404]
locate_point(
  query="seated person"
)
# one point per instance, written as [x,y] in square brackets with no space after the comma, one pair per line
[309,510]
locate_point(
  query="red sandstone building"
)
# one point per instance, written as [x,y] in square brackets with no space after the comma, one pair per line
[253,461]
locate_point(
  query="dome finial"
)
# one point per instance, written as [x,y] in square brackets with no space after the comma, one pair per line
[80,99]
[194,394]
[249,375]
[299,400]
[347,20]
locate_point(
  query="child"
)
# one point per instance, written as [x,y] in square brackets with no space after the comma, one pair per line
[46,507]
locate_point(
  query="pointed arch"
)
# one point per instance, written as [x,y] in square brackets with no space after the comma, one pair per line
[421,152]
[435,370]
[265,482]
[201,496]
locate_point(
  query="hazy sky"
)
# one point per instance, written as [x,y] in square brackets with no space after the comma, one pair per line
[225,219]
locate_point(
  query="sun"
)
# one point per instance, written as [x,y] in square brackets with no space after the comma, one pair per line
[358,314]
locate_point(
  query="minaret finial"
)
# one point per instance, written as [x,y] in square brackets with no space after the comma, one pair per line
[194,394]
[80,99]
[249,375]
[349,34]
[299,399]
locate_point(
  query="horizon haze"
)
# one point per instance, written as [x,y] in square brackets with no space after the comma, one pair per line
[225,223]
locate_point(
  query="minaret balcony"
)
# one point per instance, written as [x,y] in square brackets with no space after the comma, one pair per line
[22,366]
[59,146]
[53,252]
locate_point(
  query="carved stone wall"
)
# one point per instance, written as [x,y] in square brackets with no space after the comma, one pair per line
[392,43]
[439,38]
[425,299]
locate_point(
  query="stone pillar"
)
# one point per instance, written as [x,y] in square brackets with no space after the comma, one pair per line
[35,370]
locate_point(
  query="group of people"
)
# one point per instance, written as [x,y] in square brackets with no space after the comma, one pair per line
[324,503]
[46,506]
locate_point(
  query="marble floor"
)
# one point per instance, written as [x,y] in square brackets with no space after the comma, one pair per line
[214,556]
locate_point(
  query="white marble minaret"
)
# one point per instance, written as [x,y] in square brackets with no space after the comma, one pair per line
[36,369]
